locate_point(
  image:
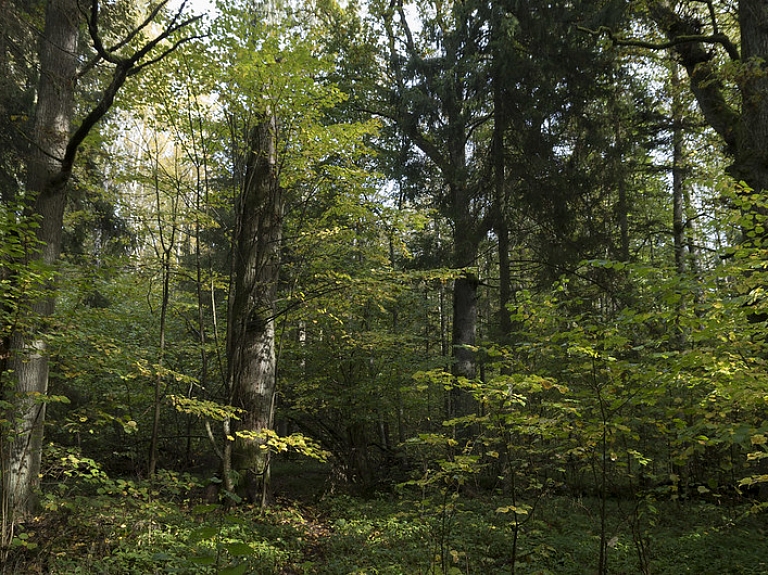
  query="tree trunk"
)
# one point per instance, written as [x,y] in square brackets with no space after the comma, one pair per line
[49,167]
[500,192]
[46,187]
[463,340]
[678,193]
[744,130]
[251,326]
[751,163]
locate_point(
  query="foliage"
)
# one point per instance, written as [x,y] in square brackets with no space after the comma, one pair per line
[20,283]
[101,525]
[617,418]
[124,526]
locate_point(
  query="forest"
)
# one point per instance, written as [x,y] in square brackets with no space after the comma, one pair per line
[433,287]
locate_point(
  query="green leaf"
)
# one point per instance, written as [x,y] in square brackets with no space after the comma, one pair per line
[234,569]
[239,549]
[203,533]
[161,556]
[204,509]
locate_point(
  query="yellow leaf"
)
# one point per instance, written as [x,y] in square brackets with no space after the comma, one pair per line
[759,440]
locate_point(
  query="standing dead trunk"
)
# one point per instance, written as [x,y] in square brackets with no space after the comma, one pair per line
[251,326]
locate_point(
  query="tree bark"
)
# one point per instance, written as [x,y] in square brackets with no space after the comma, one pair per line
[28,357]
[678,192]
[751,160]
[744,130]
[49,168]
[251,326]
[499,179]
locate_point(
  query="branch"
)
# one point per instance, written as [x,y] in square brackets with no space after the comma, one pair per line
[147,21]
[712,15]
[91,119]
[124,67]
[717,38]
[108,54]
[163,54]
[93,31]
[699,62]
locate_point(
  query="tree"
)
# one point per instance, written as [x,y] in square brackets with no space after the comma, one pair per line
[437,100]
[52,158]
[47,176]
[702,38]
[256,248]
[690,36]
[286,145]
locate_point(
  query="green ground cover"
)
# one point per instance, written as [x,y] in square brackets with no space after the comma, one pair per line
[124,527]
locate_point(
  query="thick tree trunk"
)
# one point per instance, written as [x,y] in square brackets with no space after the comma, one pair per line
[251,326]
[745,130]
[465,324]
[49,168]
[751,159]
[465,246]
[28,356]
[464,333]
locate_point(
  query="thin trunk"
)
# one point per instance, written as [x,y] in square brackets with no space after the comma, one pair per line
[678,194]
[167,246]
[501,199]
[199,158]
[159,376]
[201,329]
[622,206]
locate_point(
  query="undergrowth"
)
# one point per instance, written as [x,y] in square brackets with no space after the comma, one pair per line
[95,524]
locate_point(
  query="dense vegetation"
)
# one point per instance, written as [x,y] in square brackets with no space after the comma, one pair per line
[461,287]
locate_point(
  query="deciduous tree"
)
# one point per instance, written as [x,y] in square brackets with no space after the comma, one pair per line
[52,157]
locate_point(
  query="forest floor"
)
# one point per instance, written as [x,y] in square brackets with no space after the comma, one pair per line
[125,527]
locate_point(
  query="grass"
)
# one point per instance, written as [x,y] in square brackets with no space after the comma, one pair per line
[130,528]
